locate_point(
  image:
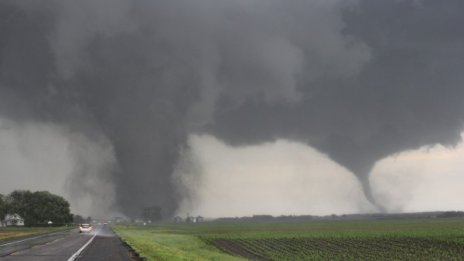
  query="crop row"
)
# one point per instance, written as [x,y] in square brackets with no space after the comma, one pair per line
[404,248]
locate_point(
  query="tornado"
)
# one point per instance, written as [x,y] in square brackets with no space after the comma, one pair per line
[358,80]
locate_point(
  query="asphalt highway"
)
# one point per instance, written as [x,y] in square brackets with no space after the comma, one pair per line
[100,244]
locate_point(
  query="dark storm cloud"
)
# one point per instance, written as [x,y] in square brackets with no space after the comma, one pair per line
[408,95]
[358,80]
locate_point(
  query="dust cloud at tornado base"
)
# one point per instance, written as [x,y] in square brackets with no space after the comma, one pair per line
[357,81]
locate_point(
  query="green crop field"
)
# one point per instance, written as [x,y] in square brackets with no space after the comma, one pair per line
[428,239]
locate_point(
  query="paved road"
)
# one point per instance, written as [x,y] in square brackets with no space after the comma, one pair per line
[106,247]
[101,244]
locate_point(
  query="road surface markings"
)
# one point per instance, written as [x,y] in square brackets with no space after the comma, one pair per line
[73,257]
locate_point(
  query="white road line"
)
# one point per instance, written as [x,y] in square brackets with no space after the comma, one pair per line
[73,257]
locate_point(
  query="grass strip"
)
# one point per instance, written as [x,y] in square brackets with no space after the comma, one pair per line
[159,245]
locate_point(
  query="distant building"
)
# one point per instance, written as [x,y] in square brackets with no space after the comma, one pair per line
[13,220]
[200,219]
[177,219]
[190,219]
[119,220]
[139,221]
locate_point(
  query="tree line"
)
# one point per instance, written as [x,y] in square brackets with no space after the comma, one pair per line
[36,208]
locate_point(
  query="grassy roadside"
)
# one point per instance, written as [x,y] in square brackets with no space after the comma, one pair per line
[12,233]
[431,239]
[158,244]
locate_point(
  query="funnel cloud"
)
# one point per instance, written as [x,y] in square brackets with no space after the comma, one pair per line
[357,80]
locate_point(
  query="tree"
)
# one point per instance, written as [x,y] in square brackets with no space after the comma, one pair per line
[78,219]
[50,207]
[18,202]
[3,210]
[37,208]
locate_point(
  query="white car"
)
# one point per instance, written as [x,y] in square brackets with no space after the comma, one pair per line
[85,228]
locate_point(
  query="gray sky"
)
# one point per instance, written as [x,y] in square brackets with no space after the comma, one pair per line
[122,86]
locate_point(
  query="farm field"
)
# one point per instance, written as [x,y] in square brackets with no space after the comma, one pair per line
[412,239]
[11,233]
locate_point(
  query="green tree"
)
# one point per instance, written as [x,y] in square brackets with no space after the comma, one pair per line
[18,202]
[37,208]
[50,207]
[3,208]
[78,219]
